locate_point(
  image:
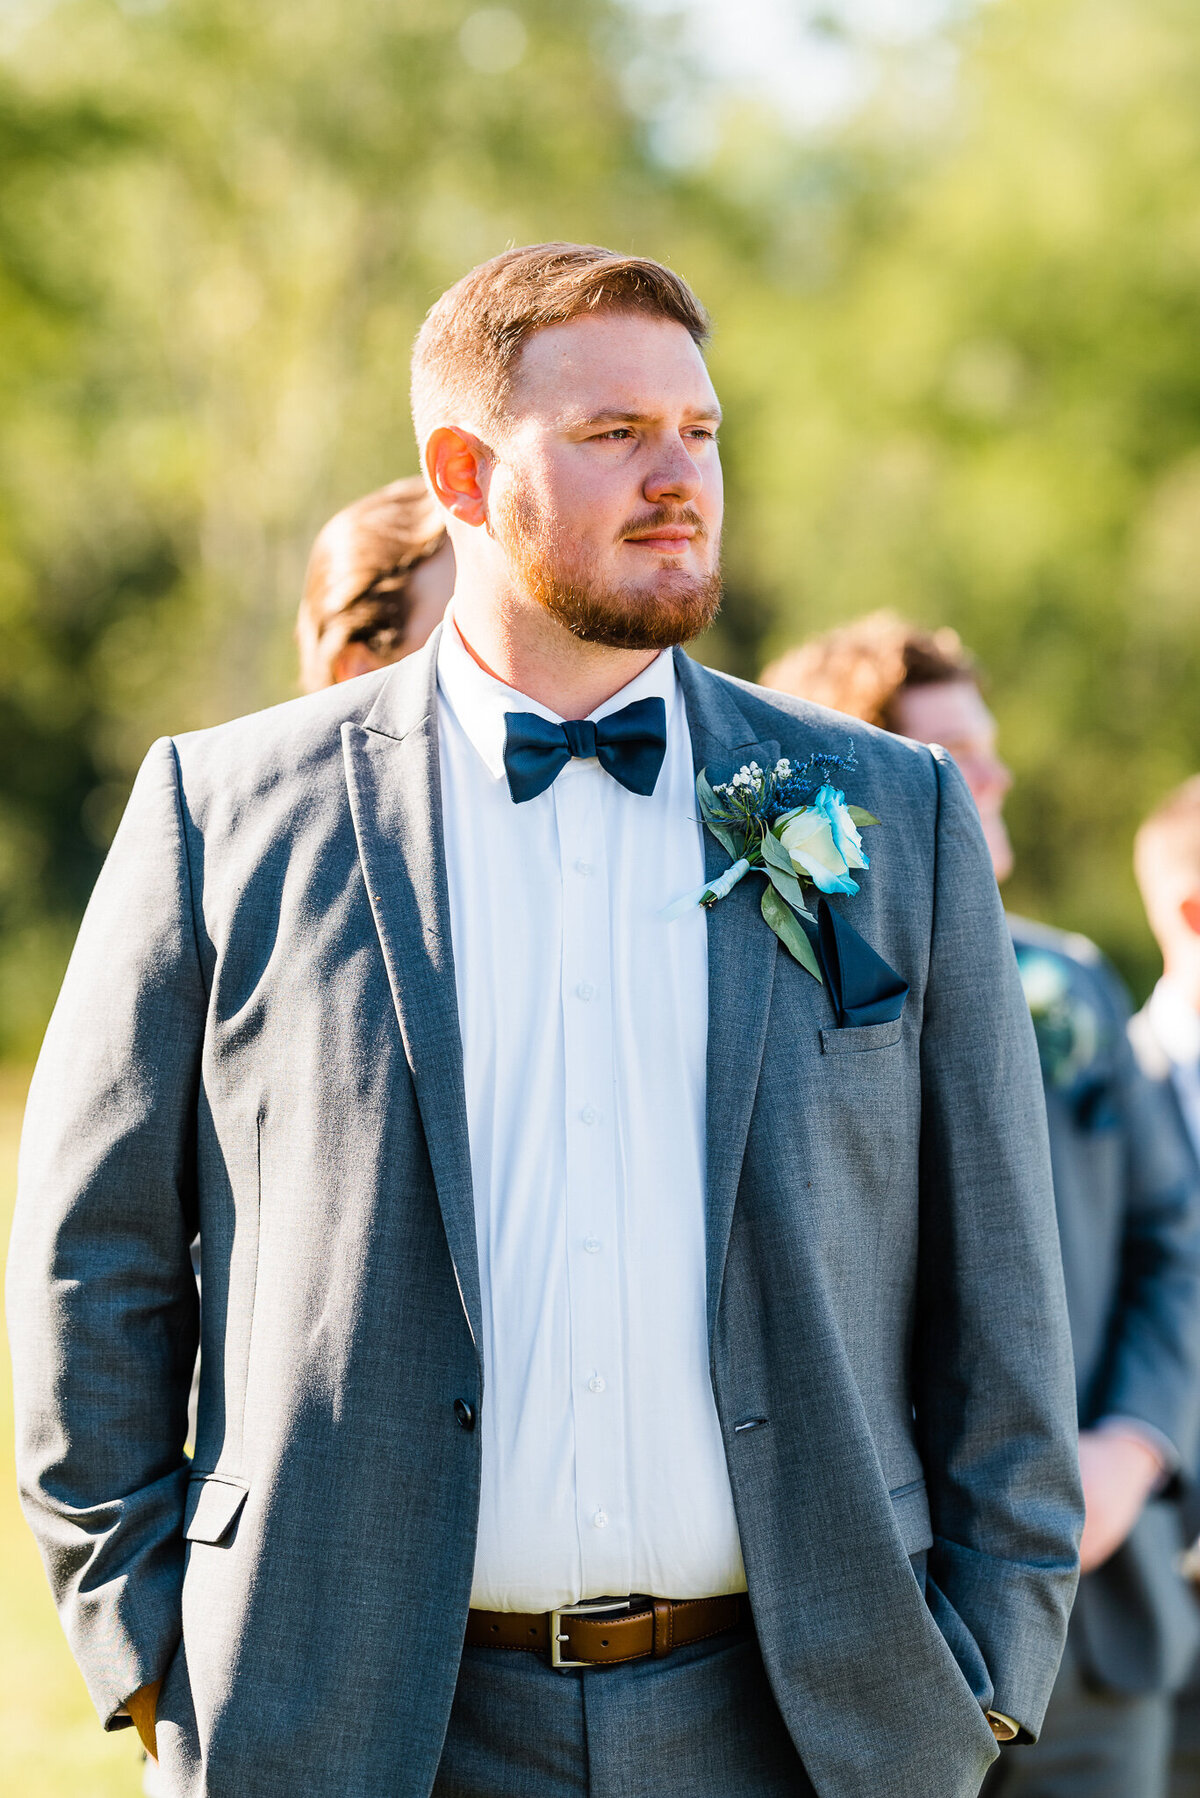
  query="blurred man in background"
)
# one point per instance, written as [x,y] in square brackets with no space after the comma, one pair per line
[1167,864]
[379,578]
[1126,1194]
[1166,1035]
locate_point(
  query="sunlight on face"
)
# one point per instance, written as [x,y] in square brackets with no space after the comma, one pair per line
[607,491]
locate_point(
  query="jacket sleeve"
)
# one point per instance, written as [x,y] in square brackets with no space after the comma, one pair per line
[995,1398]
[1152,1361]
[102,1302]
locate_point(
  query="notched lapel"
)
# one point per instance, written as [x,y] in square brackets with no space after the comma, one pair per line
[395,801]
[742,955]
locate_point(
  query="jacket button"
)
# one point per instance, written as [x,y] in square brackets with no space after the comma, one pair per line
[465,1414]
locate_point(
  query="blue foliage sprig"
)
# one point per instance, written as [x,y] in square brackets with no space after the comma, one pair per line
[760,796]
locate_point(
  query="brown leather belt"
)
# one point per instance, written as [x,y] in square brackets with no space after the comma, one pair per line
[604,1632]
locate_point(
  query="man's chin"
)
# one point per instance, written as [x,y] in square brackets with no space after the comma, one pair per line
[671,611]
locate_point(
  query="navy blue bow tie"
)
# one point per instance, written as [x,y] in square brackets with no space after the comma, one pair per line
[629,745]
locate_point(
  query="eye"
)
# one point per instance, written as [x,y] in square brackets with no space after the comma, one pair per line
[706,433]
[618,434]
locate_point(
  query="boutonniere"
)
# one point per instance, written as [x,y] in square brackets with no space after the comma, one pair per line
[792,824]
[1069,1031]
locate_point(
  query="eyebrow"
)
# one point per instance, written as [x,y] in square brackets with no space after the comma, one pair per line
[618,415]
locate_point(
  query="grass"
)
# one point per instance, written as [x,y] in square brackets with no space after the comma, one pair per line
[53,1746]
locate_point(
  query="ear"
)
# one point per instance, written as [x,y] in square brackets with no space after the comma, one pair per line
[458,466]
[1189,911]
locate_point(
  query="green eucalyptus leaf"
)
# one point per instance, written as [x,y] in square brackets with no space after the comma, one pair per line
[782,873]
[774,852]
[789,888]
[724,836]
[710,812]
[783,921]
[860,817]
[705,794]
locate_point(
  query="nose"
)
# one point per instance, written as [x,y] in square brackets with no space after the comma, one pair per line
[674,474]
[999,775]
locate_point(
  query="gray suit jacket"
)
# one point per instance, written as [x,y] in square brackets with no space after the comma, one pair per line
[258,1038]
[1128,1201]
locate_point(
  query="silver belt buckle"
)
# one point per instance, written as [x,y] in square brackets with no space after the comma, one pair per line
[592,1608]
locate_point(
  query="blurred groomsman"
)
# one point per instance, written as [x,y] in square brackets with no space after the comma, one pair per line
[1166,1035]
[1127,1199]
[379,578]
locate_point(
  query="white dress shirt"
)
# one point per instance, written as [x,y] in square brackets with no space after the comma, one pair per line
[1176,1025]
[584,1022]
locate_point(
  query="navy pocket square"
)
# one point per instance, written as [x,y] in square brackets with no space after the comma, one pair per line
[864,989]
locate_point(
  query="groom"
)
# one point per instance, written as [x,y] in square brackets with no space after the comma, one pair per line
[629,1364]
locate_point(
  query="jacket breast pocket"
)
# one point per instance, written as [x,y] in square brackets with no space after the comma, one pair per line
[861,1037]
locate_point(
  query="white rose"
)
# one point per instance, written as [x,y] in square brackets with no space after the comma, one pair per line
[808,838]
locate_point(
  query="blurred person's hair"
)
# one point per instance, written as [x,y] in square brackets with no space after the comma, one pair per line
[1170,836]
[356,587]
[862,668]
[469,346]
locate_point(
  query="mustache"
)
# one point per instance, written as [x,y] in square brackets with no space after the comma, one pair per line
[664,515]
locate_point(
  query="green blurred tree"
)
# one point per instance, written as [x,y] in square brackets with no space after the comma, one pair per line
[955,342]
[990,401]
[222,225]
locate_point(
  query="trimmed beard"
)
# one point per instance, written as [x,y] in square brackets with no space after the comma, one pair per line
[619,617]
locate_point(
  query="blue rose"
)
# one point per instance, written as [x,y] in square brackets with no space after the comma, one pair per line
[843,827]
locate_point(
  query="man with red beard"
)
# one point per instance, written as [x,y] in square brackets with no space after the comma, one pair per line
[634,1350]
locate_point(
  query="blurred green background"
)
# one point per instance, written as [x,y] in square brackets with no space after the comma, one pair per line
[53,1747]
[957,341]
[953,252]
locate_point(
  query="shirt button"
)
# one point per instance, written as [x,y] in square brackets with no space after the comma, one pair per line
[585,990]
[592,1245]
[465,1413]
[588,1115]
[584,867]
[600,1520]
[595,1384]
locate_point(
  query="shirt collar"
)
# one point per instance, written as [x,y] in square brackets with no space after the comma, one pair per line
[479,701]
[1175,1023]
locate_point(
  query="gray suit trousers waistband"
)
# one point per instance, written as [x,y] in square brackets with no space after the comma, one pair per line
[700,1724]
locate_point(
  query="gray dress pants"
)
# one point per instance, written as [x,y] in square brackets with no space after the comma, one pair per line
[1093,1745]
[701,1723]
[1185,1748]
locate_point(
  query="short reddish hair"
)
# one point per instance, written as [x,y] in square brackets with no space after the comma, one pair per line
[864,667]
[468,349]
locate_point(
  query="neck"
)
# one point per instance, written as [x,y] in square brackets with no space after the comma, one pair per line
[536,655]
[1183,972]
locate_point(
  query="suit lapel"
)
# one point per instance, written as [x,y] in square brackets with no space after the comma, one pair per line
[396,804]
[741,971]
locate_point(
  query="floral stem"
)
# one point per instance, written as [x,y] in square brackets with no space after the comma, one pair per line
[725,883]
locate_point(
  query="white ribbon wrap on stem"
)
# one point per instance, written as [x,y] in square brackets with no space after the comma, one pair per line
[726,882]
[711,889]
